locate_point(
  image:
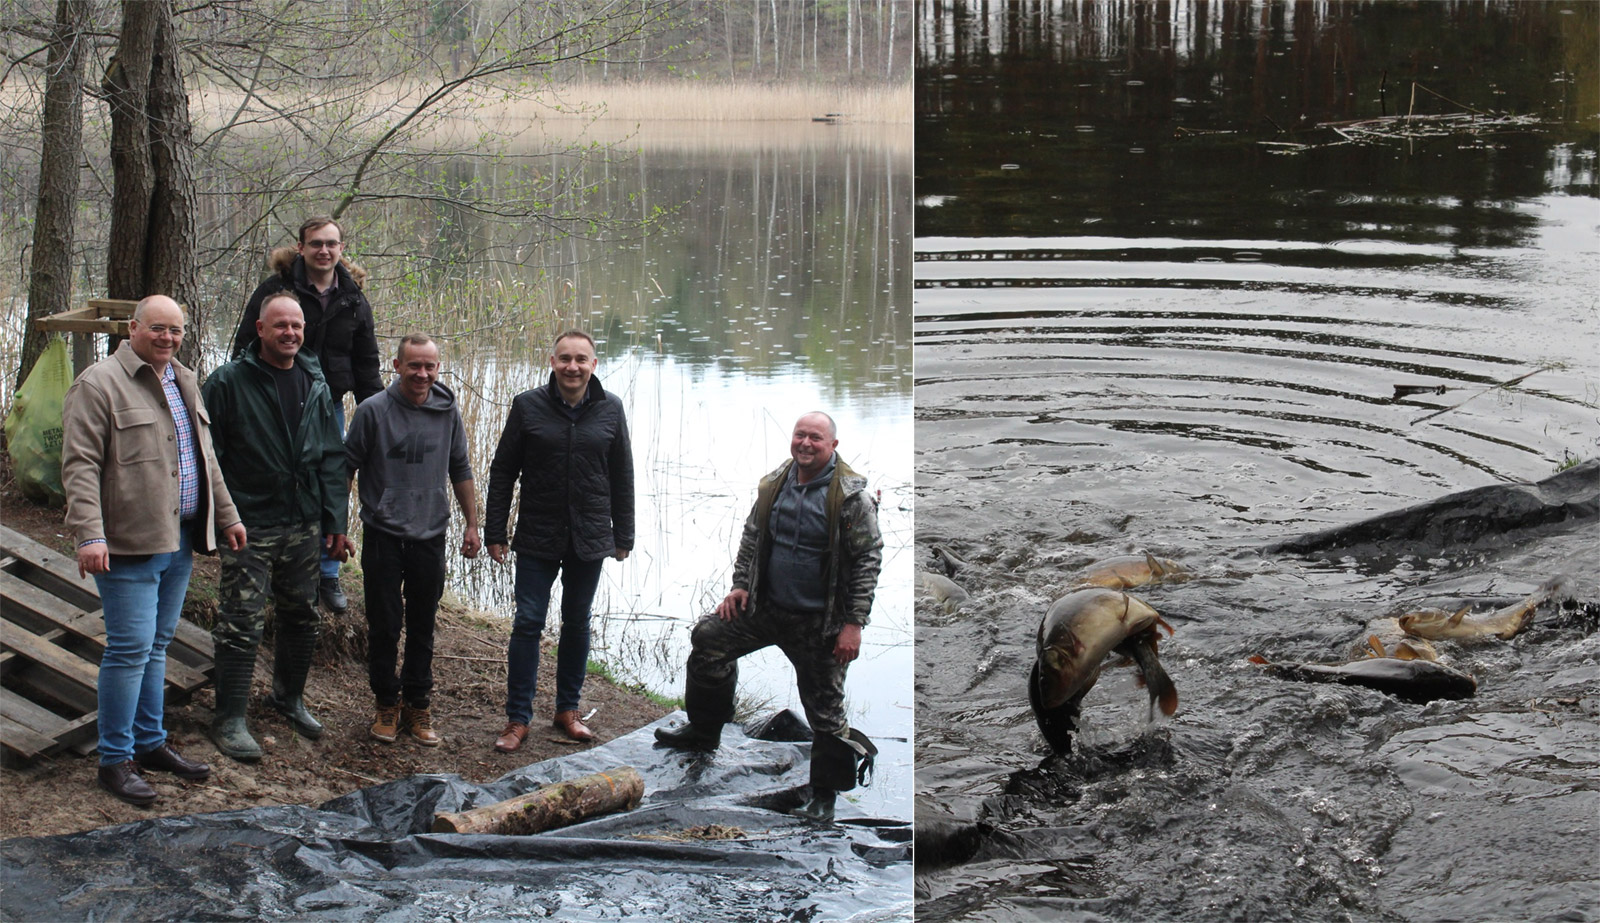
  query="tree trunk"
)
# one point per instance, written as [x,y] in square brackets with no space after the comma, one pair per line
[61,147]
[559,805]
[127,89]
[152,245]
[170,261]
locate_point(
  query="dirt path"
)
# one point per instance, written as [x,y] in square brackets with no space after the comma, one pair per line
[60,795]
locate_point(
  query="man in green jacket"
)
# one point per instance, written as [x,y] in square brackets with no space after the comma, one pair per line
[278,445]
[804,579]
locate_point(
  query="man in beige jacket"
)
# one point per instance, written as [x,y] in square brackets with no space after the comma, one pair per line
[143,491]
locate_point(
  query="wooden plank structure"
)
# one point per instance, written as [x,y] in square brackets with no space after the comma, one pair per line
[51,637]
[98,315]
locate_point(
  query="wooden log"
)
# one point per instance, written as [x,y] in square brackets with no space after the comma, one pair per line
[558,805]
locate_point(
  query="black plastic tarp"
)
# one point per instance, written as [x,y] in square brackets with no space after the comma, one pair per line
[368,855]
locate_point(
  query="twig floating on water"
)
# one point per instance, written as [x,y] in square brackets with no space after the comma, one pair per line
[1495,387]
[1410,390]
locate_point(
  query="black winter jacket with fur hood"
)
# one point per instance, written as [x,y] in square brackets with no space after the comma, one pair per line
[343,340]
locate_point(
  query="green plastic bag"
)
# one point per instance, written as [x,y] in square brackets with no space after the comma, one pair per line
[33,428]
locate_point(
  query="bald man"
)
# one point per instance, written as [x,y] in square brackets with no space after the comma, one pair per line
[279,448]
[804,579]
[143,492]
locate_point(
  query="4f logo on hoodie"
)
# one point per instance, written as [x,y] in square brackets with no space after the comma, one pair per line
[413,448]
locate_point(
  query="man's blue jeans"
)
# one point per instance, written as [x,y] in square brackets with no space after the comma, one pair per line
[141,597]
[534,579]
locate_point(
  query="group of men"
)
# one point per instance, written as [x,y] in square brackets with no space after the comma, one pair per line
[255,466]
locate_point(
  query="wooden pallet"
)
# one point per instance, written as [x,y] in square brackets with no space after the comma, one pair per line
[51,637]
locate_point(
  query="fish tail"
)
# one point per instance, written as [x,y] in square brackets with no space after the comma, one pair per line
[1163,692]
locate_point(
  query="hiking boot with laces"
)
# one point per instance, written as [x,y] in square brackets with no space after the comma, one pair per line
[386,726]
[418,722]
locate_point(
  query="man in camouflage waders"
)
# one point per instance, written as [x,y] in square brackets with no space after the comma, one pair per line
[278,445]
[807,568]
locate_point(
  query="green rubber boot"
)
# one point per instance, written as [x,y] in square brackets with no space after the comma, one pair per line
[820,808]
[291,666]
[229,729]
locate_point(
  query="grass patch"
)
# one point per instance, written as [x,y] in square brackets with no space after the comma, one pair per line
[603,670]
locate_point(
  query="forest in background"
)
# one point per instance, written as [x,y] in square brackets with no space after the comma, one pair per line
[222,124]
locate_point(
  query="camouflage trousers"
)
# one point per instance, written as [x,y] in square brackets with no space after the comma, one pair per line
[718,645]
[278,565]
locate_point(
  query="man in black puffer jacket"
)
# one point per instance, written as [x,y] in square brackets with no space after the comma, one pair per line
[339,331]
[568,443]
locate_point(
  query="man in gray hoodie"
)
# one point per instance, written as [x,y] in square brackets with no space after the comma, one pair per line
[405,444]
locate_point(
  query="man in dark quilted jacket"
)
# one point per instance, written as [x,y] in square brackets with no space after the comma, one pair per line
[567,444]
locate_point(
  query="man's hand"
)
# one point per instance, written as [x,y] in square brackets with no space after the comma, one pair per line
[498,553]
[470,543]
[733,605]
[94,559]
[848,647]
[234,537]
[621,554]
[339,547]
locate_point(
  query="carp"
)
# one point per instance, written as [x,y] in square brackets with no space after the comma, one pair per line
[1130,571]
[1417,681]
[1505,623]
[1075,636]
[947,562]
[1385,638]
[946,592]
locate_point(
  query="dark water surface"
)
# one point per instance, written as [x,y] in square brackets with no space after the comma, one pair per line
[1172,261]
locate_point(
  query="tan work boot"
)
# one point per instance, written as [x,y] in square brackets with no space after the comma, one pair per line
[386,726]
[418,722]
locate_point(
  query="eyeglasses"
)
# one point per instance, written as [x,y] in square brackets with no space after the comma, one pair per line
[164,329]
[324,244]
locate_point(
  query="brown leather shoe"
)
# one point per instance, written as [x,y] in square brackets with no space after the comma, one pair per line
[166,759]
[511,738]
[122,780]
[386,724]
[418,722]
[567,722]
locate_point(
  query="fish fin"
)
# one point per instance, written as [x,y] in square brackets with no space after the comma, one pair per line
[1257,658]
[1459,615]
[1376,646]
[1150,561]
[1404,651]
[1169,700]
[1521,623]
[1162,623]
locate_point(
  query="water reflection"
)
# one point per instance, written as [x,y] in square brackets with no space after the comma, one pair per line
[779,285]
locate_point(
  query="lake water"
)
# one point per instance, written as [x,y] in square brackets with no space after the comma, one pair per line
[1171,263]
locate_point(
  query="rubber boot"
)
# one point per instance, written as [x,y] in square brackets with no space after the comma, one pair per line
[836,766]
[710,706]
[691,736]
[229,729]
[291,666]
[820,808]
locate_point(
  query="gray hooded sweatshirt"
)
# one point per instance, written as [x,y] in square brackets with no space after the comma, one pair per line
[408,456]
